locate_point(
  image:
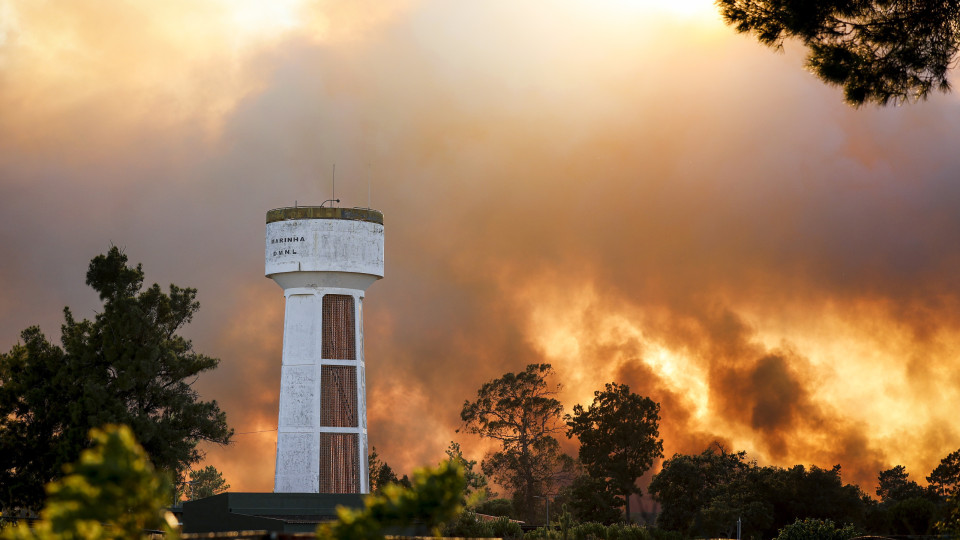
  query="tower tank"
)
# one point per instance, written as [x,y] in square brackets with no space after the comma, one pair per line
[324,259]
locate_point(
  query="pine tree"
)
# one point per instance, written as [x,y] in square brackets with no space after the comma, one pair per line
[127,366]
[878,51]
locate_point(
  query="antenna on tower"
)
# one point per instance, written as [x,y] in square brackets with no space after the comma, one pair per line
[334,199]
[369,175]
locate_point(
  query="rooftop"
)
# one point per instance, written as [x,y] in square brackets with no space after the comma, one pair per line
[321,212]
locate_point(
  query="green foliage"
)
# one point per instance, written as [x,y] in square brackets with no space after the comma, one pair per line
[703,495]
[877,50]
[127,366]
[619,437]
[663,534]
[815,493]
[206,482]
[541,533]
[590,500]
[627,531]
[112,492]
[816,529]
[687,484]
[477,489]
[468,525]
[504,528]
[381,474]
[495,507]
[519,410]
[565,520]
[616,531]
[589,531]
[432,499]
[950,524]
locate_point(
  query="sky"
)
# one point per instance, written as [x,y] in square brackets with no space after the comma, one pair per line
[627,190]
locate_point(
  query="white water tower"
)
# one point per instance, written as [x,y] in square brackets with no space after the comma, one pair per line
[324,258]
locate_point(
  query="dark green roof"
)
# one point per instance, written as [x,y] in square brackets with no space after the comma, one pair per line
[320,212]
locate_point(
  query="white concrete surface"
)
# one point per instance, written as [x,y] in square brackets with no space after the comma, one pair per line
[311,258]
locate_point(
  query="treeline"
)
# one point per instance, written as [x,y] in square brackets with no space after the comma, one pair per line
[705,494]
[130,366]
[700,495]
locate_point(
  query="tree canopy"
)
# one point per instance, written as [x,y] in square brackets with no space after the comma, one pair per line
[520,411]
[945,478]
[382,474]
[478,489]
[878,51]
[590,499]
[127,366]
[894,485]
[619,437]
[704,494]
[206,482]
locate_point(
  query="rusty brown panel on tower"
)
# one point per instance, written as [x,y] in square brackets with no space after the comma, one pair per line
[338,396]
[339,463]
[339,328]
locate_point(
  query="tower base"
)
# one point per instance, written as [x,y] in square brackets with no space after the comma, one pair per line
[272,512]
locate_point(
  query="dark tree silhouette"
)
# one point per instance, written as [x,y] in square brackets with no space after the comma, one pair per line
[519,410]
[878,51]
[127,366]
[619,437]
[945,478]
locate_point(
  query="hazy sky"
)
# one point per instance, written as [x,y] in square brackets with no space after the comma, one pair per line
[631,193]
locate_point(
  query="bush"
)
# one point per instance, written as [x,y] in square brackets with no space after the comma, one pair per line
[663,534]
[506,529]
[589,531]
[432,499]
[541,534]
[495,507]
[621,531]
[467,525]
[816,529]
[111,493]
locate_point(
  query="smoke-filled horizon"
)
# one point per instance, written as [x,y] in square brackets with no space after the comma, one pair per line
[631,194]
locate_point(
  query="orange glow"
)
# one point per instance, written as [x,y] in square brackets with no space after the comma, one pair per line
[626,189]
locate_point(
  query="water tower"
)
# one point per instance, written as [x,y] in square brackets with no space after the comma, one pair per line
[324,258]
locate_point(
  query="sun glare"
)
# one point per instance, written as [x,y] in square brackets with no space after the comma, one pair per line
[702,9]
[257,17]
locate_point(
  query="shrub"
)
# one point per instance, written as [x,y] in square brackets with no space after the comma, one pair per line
[506,529]
[495,507]
[432,499]
[112,492]
[589,531]
[541,534]
[663,534]
[621,531]
[816,529]
[467,525]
